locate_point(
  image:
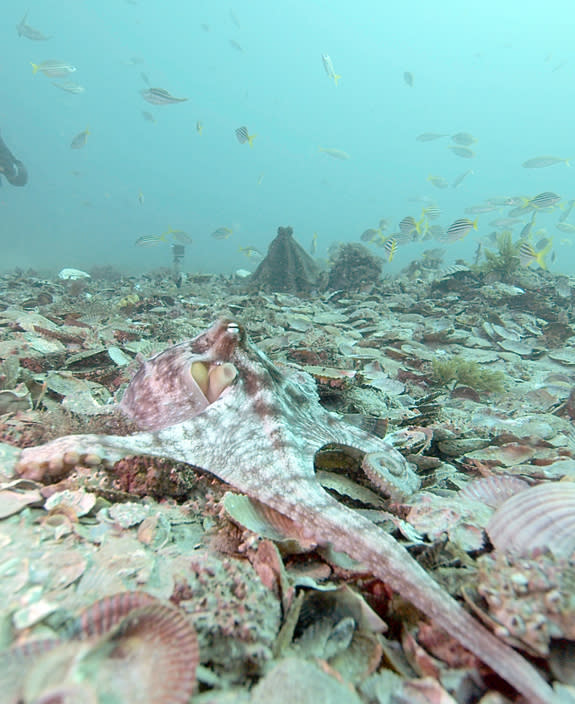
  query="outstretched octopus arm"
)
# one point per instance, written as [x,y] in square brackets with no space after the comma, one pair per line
[259,430]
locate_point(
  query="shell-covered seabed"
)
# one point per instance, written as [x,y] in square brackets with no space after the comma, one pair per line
[469,378]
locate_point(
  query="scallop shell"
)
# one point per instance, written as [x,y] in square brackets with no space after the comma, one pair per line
[153,658]
[493,491]
[103,615]
[540,517]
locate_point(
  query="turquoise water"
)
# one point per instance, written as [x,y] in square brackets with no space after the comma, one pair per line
[503,71]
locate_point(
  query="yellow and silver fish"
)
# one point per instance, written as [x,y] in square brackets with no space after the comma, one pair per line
[251,252]
[438,181]
[313,244]
[243,136]
[54,68]
[150,240]
[390,247]
[199,127]
[160,96]
[541,162]
[335,153]
[528,254]
[80,139]
[222,233]
[329,69]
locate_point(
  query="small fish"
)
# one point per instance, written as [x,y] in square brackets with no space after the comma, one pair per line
[234,18]
[565,227]
[384,224]
[528,255]
[260,179]
[150,240]
[24,30]
[431,212]
[520,211]
[160,96]
[238,47]
[429,136]
[526,231]
[69,87]
[199,127]
[179,235]
[409,225]
[80,139]
[458,229]
[222,233]
[438,181]
[479,209]
[463,152]
[141,198]
[504,223]
[328,66]
[53,68]
[313,244]
[408,78]
[335,153]
[463,138]
[459,179]
[540,162]
[567,211]
[251,252]
[390,247]
[547,199]
[370,235]
[436,231]
[242,136]
[148,116]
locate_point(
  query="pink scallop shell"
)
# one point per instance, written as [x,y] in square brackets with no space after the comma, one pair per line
[494,490]
[536,518]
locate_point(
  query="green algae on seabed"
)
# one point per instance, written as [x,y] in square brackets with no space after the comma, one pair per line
[503,263]
[465,372]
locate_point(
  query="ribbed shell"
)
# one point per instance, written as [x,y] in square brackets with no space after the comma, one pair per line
[99,618]
[493,491]
[540,517]
[153,659]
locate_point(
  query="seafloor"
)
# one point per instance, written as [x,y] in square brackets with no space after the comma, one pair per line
[472,372]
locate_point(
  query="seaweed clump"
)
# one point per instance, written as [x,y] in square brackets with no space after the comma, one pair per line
[503,263]
[459,371]
[287,268]
[354,268]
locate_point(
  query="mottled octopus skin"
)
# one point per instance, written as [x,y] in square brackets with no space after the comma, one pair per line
[260,436]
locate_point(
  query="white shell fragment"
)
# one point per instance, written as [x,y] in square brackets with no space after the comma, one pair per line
[73,274]
[542,517]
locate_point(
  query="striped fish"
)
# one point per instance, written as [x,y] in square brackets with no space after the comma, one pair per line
[160,96]
[458,229]
[390,247]
[544,200]
[528,254]
[242,136]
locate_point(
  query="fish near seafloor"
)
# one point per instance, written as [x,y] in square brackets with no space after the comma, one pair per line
[218,403]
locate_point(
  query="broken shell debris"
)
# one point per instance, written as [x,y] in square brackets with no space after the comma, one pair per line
[470,379]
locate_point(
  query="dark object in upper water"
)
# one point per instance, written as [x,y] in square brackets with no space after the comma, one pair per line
[11,168]
[354,268]
[286,268]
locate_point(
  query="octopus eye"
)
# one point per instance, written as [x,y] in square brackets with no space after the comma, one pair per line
[233,328]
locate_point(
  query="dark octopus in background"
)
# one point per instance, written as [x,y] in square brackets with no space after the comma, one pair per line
[11,168]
